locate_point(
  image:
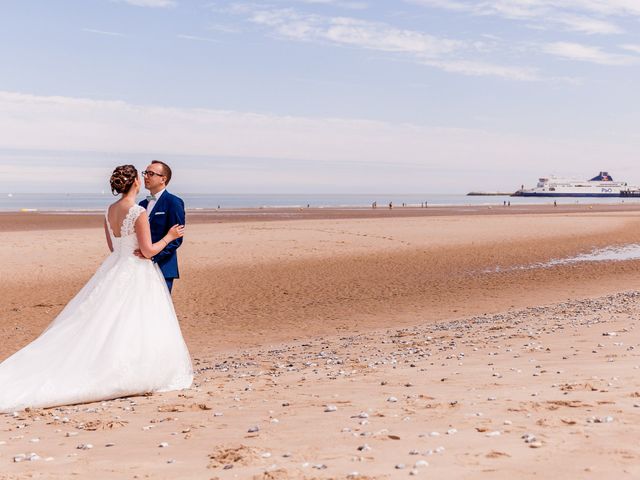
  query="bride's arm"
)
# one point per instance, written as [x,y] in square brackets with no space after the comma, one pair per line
[106,233]
[143,233]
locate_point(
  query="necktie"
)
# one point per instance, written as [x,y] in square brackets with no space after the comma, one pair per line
[150,197]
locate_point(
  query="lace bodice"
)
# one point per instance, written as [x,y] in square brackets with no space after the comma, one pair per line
[127,242]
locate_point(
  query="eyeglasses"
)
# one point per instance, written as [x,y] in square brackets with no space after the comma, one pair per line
[150,174]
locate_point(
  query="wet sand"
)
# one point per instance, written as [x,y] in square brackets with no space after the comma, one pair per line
[269,297]
[44,220]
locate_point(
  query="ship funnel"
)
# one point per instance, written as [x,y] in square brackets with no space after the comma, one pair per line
[602,177]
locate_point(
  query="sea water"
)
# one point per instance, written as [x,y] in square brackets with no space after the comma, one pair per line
[77,202]
[619,253]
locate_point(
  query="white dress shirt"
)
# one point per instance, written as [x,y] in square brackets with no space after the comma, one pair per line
[152,203]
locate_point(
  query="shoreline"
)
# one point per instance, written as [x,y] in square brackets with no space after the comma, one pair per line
[60,220]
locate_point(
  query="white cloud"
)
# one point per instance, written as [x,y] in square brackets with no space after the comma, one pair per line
[197,38]
[151,3]
[372,149]
[220,28]
[352,5]
[583,24]
[536,8]
[586,53]
[631,48]
[103,32]
[482,69]
[352,32]
[443,53]
[582,16]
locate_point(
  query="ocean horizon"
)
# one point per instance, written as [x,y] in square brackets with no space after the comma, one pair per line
[79,202]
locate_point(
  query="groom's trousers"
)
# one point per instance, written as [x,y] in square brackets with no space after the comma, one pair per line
[169,283]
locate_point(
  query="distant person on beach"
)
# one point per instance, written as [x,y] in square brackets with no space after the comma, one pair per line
[390,205]
[164,210]
[119,336]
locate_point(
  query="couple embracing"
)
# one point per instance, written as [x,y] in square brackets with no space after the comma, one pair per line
[119,335]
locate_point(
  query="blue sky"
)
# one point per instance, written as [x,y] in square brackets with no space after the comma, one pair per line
[422,96]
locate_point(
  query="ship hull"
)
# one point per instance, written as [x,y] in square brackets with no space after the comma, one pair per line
[571,195]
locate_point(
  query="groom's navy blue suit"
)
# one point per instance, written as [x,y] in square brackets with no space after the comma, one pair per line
[168,211]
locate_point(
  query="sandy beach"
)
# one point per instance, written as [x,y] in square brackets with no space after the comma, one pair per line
[354,344]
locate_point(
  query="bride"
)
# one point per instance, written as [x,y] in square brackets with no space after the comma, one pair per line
[118,336]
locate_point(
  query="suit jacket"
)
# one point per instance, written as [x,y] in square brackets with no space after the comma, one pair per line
[167,211]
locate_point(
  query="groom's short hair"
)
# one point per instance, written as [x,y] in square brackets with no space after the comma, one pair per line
[166,170]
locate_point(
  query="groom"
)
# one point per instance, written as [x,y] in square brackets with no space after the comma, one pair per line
[164,210]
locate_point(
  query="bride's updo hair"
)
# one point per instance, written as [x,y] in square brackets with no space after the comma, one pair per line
[122,179]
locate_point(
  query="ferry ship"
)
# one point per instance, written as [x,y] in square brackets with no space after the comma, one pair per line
[602,185]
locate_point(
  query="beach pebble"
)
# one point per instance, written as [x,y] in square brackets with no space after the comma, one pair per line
[421,463]
[109,445]
[607,419]
[413,472]
[163,445]
[364,448]
[84,446]
[71,434]
[495,433]
[392,399]
[528,438]
[253,429]
[331,408]
[452,431]
[400,466]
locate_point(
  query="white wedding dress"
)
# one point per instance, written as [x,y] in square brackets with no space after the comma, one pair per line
[118,336]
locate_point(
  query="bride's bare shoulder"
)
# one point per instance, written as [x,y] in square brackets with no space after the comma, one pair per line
[115,206]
